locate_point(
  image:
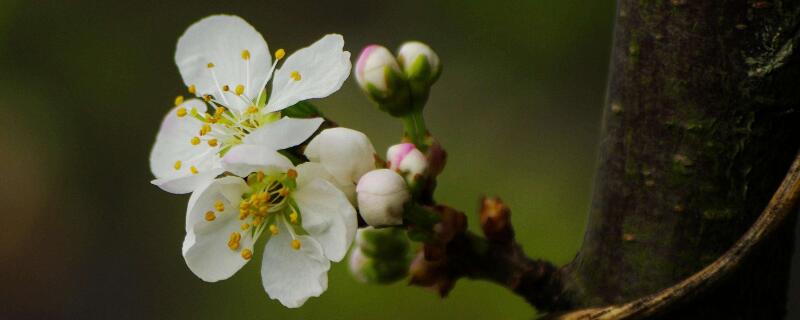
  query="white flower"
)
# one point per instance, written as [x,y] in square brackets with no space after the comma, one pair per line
[382,194]
[406,158]
[226,62]
[309,220]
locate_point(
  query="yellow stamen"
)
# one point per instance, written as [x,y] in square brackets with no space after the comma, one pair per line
[296,244]
[263,210]
[273,229]
[244,205]
[192,89]
[263,196]
[210,65]
[257,221]
[205,129]
[252,109]
[284,192]
[226,88]
[296,76]
[212,143]
[291,173]
[245,226]
[260,176]
[195,141]
[178,100]
[219,206]
[247,254]
[181,112]
[246,55]
[177,165]
[218,111]
[233,241]
[239,90]
[193,170]
[279,54]
[243,213]
[293,217]
[194,112]
[207,98]
[210,216]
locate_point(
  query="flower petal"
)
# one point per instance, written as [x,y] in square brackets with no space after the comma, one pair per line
[310,171]
[222,40]
[320,70]
[292,276]
[347,154]
[205,247]
[327,216]
[284,133]
[188,182]
[173,155]
[244,159]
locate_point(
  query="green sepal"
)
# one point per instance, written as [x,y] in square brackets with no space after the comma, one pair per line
[384,271]
[418,235]
[420,222]
[396,99]
[419,70]
[262,99]
[385,243]
[419,216]
[302,109]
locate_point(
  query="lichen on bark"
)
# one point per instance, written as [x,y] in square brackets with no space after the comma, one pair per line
[701,123]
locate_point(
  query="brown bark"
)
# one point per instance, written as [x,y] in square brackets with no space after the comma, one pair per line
[700,126]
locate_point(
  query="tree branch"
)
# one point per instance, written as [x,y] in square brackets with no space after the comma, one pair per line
[455,253]
[780,207]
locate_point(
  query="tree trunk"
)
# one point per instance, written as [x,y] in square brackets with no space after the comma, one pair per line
[700,125]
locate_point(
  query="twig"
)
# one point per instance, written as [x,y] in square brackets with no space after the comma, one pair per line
[780,207]
[457,253]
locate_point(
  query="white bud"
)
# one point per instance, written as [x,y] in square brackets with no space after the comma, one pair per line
[427,70]
[371,68]
[381,196]
[405,157]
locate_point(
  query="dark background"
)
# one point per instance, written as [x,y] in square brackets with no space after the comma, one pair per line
[84,86]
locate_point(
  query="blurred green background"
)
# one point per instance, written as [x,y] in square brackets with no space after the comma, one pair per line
[85,84]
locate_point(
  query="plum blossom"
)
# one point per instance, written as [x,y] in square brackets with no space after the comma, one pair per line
[302,212]
[227,65]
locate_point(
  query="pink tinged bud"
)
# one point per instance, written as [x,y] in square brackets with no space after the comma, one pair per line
[381,196]
[405,157]
[371,67]
[417,69]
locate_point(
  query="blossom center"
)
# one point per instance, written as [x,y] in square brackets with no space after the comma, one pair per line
[263,207]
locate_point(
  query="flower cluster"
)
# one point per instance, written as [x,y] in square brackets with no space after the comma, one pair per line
[224,146]
[260,178]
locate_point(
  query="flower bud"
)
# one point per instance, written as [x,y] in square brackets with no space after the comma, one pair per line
[371,270]
[383,243]
[419,62]
[381,196]
[405,157]
[381,78]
